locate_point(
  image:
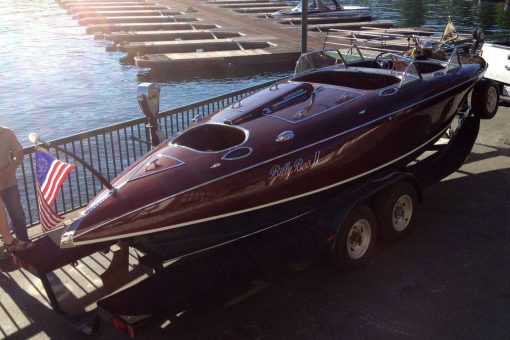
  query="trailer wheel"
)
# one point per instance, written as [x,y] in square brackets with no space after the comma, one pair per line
[355,239]
[485,99]
[394,208]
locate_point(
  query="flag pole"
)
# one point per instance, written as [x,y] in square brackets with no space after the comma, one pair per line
[34,138]
[96,173]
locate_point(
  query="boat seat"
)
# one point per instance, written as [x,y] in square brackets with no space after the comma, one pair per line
[355,80]
[210,138]
[428,67]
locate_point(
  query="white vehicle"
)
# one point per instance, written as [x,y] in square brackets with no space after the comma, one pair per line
[498,57]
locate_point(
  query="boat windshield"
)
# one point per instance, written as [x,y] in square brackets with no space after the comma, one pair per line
[315,60]
[322,5]
[410,73]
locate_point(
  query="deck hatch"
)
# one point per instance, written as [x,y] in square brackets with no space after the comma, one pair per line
[237,153]
[322,100]
[211,138]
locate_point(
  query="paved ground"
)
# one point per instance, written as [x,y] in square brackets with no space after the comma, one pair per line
[450,278]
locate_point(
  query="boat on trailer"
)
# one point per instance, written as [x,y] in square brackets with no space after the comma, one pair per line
[327,9]
[282,152]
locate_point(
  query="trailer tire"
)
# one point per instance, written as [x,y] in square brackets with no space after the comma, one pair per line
[485,99]
[394,209]
[355,238]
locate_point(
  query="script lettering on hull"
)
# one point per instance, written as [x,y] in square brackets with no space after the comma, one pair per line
[282,172]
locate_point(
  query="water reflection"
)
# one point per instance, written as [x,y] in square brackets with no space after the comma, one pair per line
[413,13]
[59,81]
[491,16]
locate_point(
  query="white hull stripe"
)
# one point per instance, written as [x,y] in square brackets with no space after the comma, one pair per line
[253,208]
[240,237]
[272,159]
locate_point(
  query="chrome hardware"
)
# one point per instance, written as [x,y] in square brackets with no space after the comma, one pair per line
[153,165]
[237,153]
[284,136]
[196,119]
[299,115]
[148,99]
[388,91]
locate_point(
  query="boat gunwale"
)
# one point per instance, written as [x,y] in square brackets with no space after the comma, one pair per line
[183,224]
[478,75]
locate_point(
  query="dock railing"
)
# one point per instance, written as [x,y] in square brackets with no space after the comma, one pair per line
[110,150]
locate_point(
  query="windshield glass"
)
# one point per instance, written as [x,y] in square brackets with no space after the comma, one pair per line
[319,5]
[318,59]
[410,75]
[405,67]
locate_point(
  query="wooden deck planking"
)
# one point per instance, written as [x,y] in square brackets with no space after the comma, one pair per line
[125,13]
[249,40]
[351,25]
[149,36]
[255,4]
[136,19]
[187,46]
[126,27]
[259,10]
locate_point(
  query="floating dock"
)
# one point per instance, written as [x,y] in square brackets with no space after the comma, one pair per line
[154,37]
[239,35]
[183,46]
[216,34]
[179,23]
[133,14]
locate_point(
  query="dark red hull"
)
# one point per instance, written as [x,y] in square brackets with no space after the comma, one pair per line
[273,157]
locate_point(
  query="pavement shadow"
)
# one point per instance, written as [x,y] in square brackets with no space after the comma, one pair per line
[496,151]
[38,318]
[448,278]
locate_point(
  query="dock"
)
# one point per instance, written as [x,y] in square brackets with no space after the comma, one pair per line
[222,34]
[155,37]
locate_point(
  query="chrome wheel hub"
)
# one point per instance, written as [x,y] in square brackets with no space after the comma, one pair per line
[359,239]
[492,96]
[402,212]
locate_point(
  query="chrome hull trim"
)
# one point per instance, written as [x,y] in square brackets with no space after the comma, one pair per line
[70,240]
[387,116]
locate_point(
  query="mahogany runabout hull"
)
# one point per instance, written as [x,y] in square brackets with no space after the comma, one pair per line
[275,156]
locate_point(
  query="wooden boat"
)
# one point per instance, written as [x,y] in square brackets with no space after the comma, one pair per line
[328,9]
[282,152]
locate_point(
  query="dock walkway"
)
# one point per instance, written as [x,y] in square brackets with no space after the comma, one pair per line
[127,22]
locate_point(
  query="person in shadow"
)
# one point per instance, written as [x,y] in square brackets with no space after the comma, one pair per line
[11,156]
[10,243]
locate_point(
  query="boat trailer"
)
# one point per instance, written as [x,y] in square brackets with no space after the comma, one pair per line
[168,287]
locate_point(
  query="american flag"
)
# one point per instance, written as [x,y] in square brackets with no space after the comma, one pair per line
[47,216]
[51,174]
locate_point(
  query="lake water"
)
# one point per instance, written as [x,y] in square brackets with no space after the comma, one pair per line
[57,80]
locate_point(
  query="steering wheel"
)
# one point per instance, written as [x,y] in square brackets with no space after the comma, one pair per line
[383,64]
